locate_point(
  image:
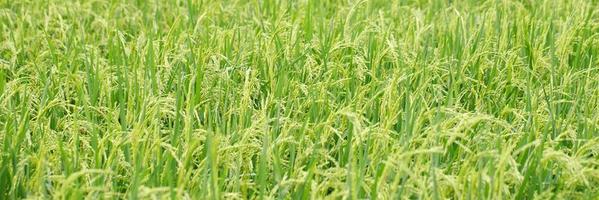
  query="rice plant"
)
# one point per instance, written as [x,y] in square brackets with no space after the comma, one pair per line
[306,99]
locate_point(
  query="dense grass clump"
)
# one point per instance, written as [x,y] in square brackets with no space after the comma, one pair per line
[306,99]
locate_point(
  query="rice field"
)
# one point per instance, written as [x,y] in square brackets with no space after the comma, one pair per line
[299,99]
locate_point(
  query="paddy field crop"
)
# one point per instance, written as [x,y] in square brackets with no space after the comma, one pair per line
[306,99]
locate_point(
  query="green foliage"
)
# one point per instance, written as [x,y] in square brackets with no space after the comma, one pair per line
[307,99]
